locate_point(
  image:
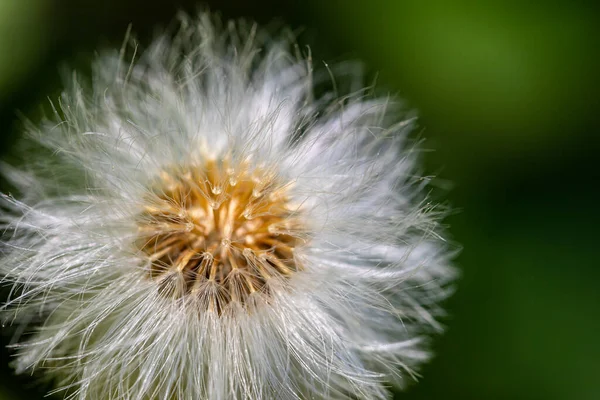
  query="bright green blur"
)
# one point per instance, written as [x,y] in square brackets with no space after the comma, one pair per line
[508,95]
[21,26]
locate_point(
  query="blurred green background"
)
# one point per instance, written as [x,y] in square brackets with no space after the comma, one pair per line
[508,94]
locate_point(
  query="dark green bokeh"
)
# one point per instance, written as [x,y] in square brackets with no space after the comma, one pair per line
[508,98]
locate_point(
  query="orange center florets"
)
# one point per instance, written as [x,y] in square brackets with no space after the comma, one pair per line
[218,227]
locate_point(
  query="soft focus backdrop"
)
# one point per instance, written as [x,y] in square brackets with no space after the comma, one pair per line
[508,94]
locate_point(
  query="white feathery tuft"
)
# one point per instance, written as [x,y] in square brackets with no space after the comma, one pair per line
[345,316]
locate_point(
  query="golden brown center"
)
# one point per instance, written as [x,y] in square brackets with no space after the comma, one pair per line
[219,232]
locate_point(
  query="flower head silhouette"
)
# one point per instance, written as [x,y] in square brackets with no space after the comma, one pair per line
[206,228]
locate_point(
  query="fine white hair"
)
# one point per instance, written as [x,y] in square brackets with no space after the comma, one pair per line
[352,322]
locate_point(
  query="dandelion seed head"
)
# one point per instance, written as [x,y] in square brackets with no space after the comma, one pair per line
[198,222]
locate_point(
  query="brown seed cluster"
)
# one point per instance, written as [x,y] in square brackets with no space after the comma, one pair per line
[221,232]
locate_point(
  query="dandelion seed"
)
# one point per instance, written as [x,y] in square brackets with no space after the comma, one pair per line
[233,238]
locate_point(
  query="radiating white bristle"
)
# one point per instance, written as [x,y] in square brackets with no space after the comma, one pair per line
[353,321]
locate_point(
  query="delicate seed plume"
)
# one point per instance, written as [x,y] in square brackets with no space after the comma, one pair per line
[203,226]
[216,224]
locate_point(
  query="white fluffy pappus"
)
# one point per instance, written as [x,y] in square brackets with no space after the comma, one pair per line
[204,228]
